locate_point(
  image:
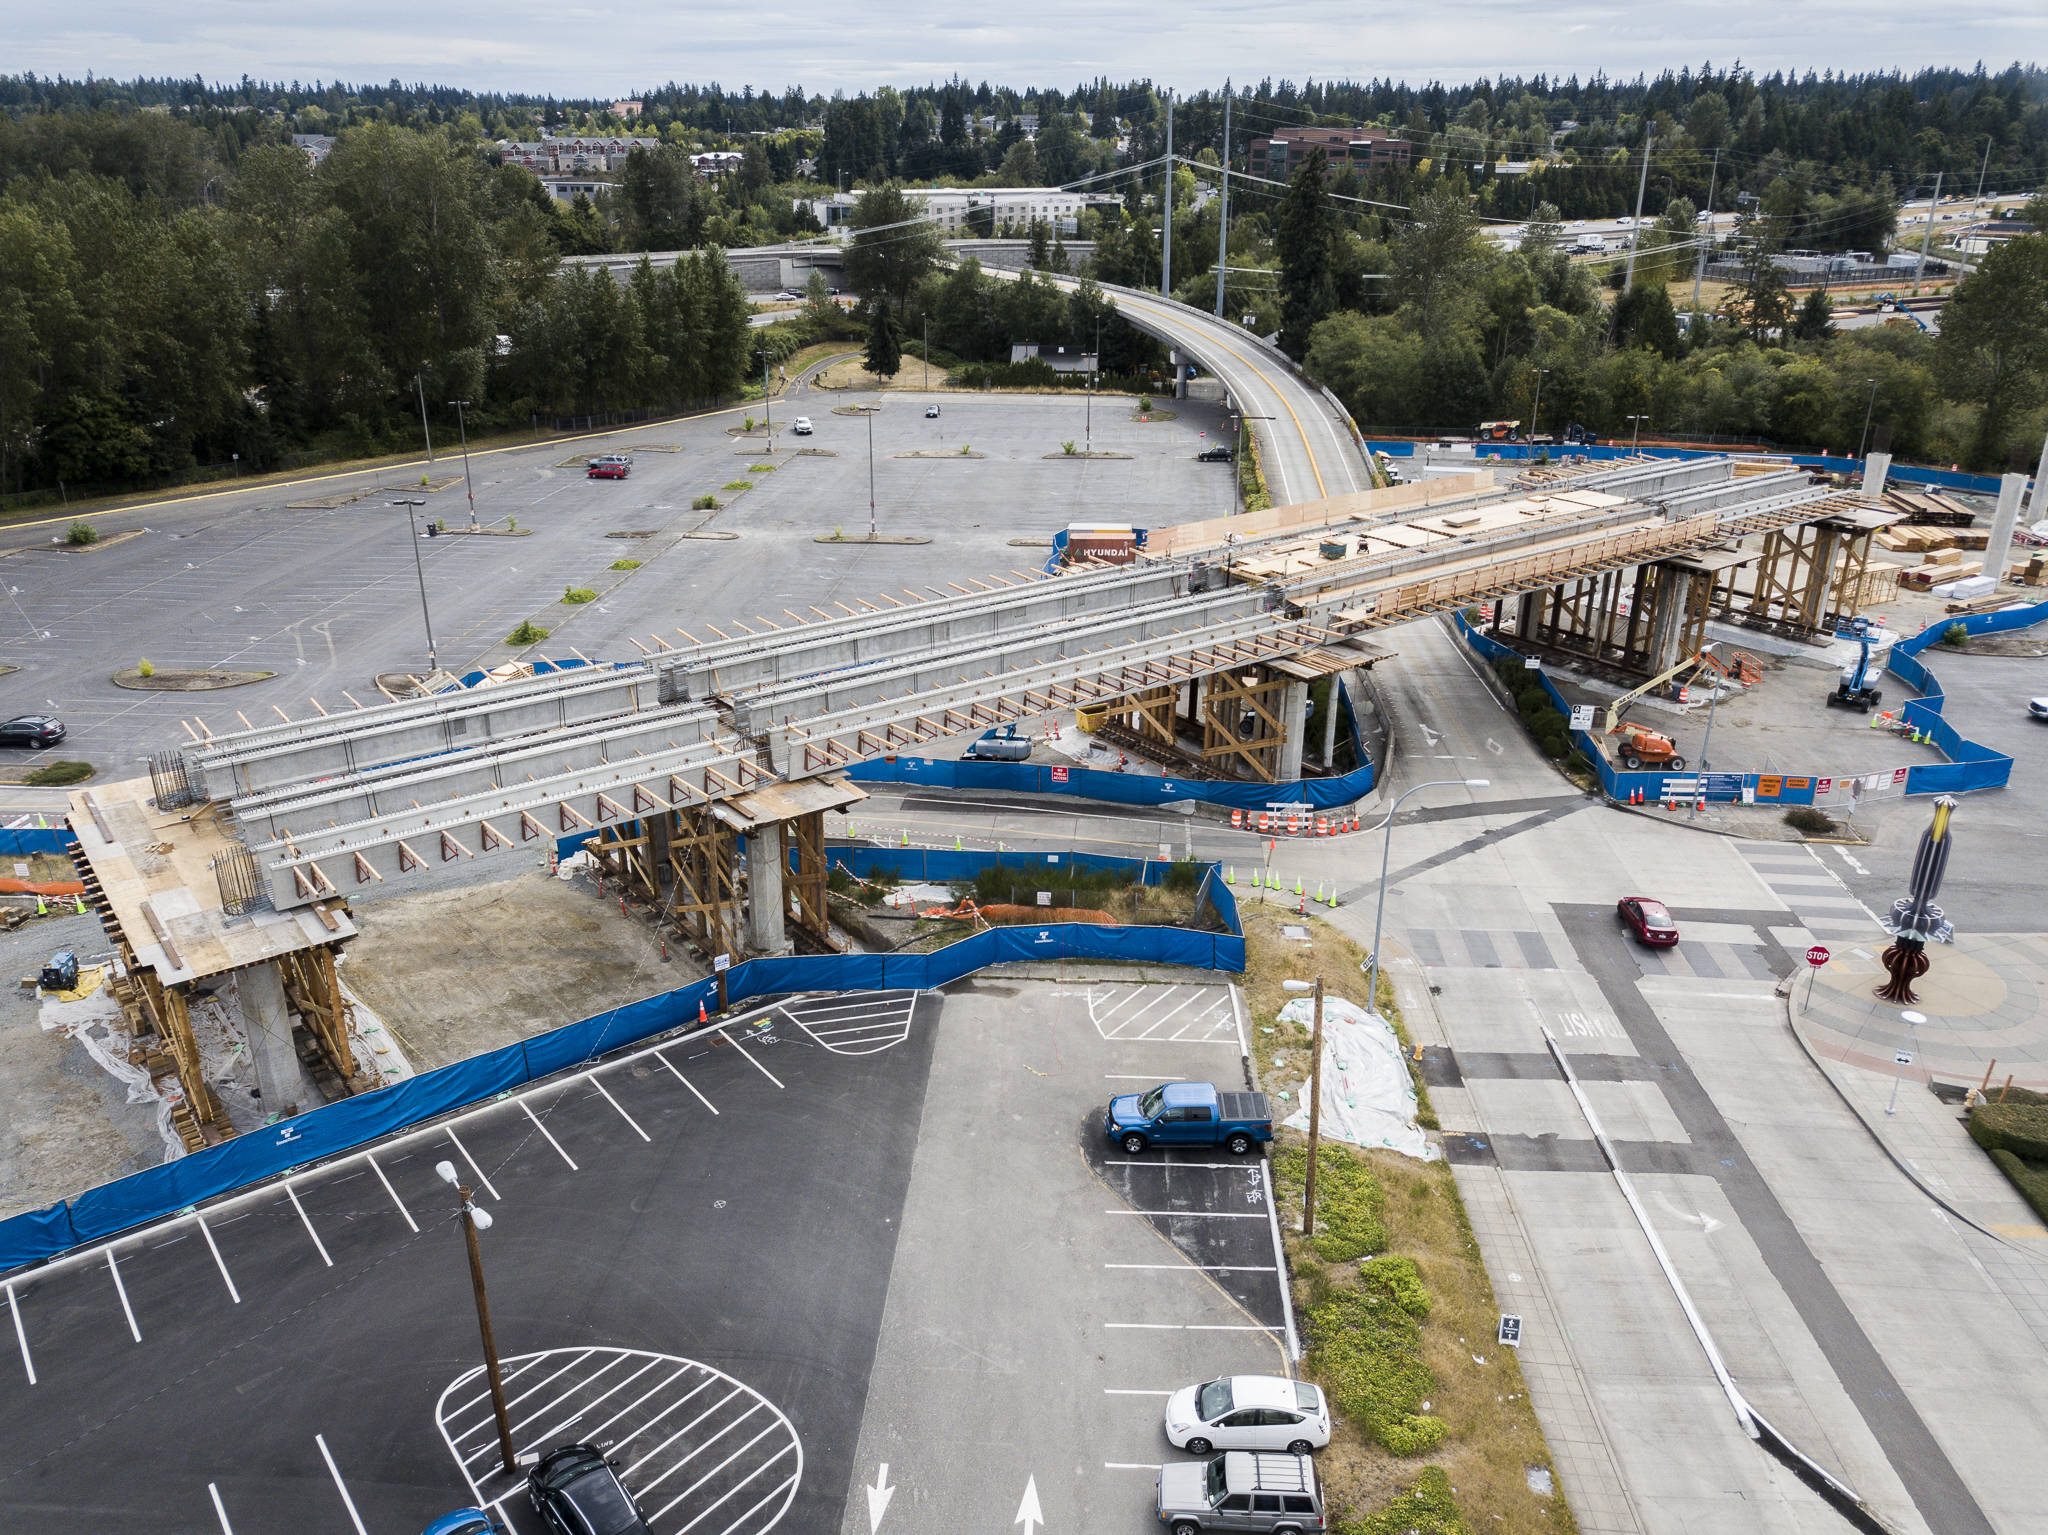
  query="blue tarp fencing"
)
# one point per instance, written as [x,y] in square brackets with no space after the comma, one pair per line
[540,669]
[1970,765]
[338,1128]
[1128,788]
[20,841]
[1911,474]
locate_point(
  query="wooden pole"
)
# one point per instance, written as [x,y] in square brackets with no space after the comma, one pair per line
[483,1322]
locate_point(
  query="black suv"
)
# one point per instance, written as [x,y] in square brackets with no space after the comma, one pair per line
[1216,455]
[32,730]
[577,1491]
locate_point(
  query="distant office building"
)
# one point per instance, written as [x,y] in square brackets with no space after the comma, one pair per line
[1360,149]
[317,146]
[954,209]
[568,156]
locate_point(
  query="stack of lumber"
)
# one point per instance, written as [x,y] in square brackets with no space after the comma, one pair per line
[1928,507]
[1904,539]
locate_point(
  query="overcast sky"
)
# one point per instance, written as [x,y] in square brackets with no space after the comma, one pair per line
[574,48]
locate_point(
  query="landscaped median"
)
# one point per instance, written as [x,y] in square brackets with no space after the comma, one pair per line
[1432,1428]
[2012,1127]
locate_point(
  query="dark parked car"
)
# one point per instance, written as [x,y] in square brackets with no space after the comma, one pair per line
[1219,454]
[32,730]
[1649,920]
[577,1491]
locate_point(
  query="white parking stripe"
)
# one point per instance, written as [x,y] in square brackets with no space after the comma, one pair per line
[1130,1465]
[661,1385]
[628,1118]
[1245,1165]
[392,1192]
[575,1386]
[787,1483]
[126,1310]
[480,1178]
[1123,1001]
[1114,1391]
[1201,1268]
[685,1081]
[1167,1018]
[340,1486]
[672,1438]
[484,1395]
[226,1278]
[551,1139]
[220,1510]
[736,1486]
[20,1336]
[292,1194]
[1207,1215]
[1188,1327]
[707,1444]
[754,1063]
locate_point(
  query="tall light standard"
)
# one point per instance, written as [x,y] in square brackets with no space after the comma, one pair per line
[1315,1105]
[1536,409]
[420,389]
[871,476]
[1372,990]
[926,320]
[1707,740]
[473,1221]
[1636,432]
[767,395]
[1869,406]
[468,484]
[420,570]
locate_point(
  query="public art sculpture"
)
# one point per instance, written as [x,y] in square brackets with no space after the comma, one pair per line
[1915,920]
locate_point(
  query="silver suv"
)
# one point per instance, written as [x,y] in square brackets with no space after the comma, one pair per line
[1273,1494]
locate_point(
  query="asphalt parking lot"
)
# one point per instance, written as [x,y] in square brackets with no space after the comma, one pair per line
[304,1357]
[1048,1293]
[328,597]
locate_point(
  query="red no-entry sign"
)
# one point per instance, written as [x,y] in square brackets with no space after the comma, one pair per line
[1816,956]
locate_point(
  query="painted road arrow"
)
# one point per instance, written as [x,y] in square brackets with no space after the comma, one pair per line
[1028,1512]
[878,1498]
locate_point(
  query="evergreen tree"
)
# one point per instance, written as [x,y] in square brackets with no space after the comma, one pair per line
[1307,292]
[884,355]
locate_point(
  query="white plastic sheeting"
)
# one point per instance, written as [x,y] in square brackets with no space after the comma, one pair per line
[97,1024]
[1368,1096]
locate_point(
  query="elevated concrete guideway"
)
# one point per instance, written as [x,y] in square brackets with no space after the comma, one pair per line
[726,724]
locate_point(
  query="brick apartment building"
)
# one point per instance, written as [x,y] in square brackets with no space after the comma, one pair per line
[1362,149]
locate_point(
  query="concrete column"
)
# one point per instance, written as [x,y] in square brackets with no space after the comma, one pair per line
[1875,469]
[767,906]
[1330,711]
[282,1081]
[1998,547]
[1293,726]
[1674,591]
[2037,504]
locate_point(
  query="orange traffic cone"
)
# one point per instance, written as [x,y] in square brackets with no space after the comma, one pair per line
[701,1017]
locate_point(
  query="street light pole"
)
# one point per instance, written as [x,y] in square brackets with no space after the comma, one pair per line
[420,389]
[871,476]
[1636,435]
[420,570]
[1372,989]
[1536,409]
[926,321]
[1706,741]
[1864,441]
[468,484]
[1315,1105]
[473,1221]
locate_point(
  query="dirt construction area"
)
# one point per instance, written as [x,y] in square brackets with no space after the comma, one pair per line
[455,972]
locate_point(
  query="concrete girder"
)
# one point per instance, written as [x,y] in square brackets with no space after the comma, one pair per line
[335,860]
[729,667]
[250,762]
[482,770]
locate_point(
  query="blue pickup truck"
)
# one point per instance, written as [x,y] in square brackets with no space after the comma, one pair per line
[1189,1114]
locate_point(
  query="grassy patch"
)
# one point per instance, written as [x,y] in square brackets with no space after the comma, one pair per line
[736,486]
[528,633]
[704,504]
[1349,1203]
[1811,822]
[624,565]
[1425,1275]
[53,773]
[576,596]
[760,469]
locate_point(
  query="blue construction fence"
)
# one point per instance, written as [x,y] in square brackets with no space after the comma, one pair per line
[339,1128]
[541,668]
[1911,474]
[22,841]
[1971,765]
[1130,788]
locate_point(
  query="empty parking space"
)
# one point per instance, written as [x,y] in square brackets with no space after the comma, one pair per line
[722,1195]
[1176,1015]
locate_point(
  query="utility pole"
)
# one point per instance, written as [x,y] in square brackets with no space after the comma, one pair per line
[421,390]
[468,484]
[871,476]
[1693,814]
[1166,225]
[927,348]
[1977,202]
[1706,244]
[1635,238]
[473,1221]
[1223,233]
[420,570]
[1315,1105]
[1927,234]
[1537,408]
[1636,435]
[1867,409]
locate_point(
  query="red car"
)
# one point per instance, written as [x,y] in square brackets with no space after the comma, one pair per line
[612,466]
[1649,920]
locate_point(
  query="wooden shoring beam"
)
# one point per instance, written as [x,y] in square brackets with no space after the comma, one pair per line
[807,881]
[408,860]
[568,811]
[365,870]
[490,837]
[450,849]
[529,828]
[610,809]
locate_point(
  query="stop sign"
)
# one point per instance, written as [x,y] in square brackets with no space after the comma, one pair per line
[1816,956]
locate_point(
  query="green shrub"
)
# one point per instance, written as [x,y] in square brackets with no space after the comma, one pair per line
[1366,1350]
[704,504]
[739,485]
[528,633]
[1350,1206]
[749,425]
[1067,447]
[2030,1179]
[1804,818]
[1144,402]
[625,565]
[575,596]
[1426,1508]
[145,667]
[511,524]
[1957,635]
[2021,1128]
[82,533]
[966,448]
[1399,1280]
[58,773]
[760,469]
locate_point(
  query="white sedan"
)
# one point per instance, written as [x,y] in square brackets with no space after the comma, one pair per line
[1248,1412]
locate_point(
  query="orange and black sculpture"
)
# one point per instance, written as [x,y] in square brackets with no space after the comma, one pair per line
[1915,920]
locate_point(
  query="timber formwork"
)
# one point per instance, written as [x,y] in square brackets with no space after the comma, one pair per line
[1805,582]
[1242,726]
[703,859]
[805,884]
